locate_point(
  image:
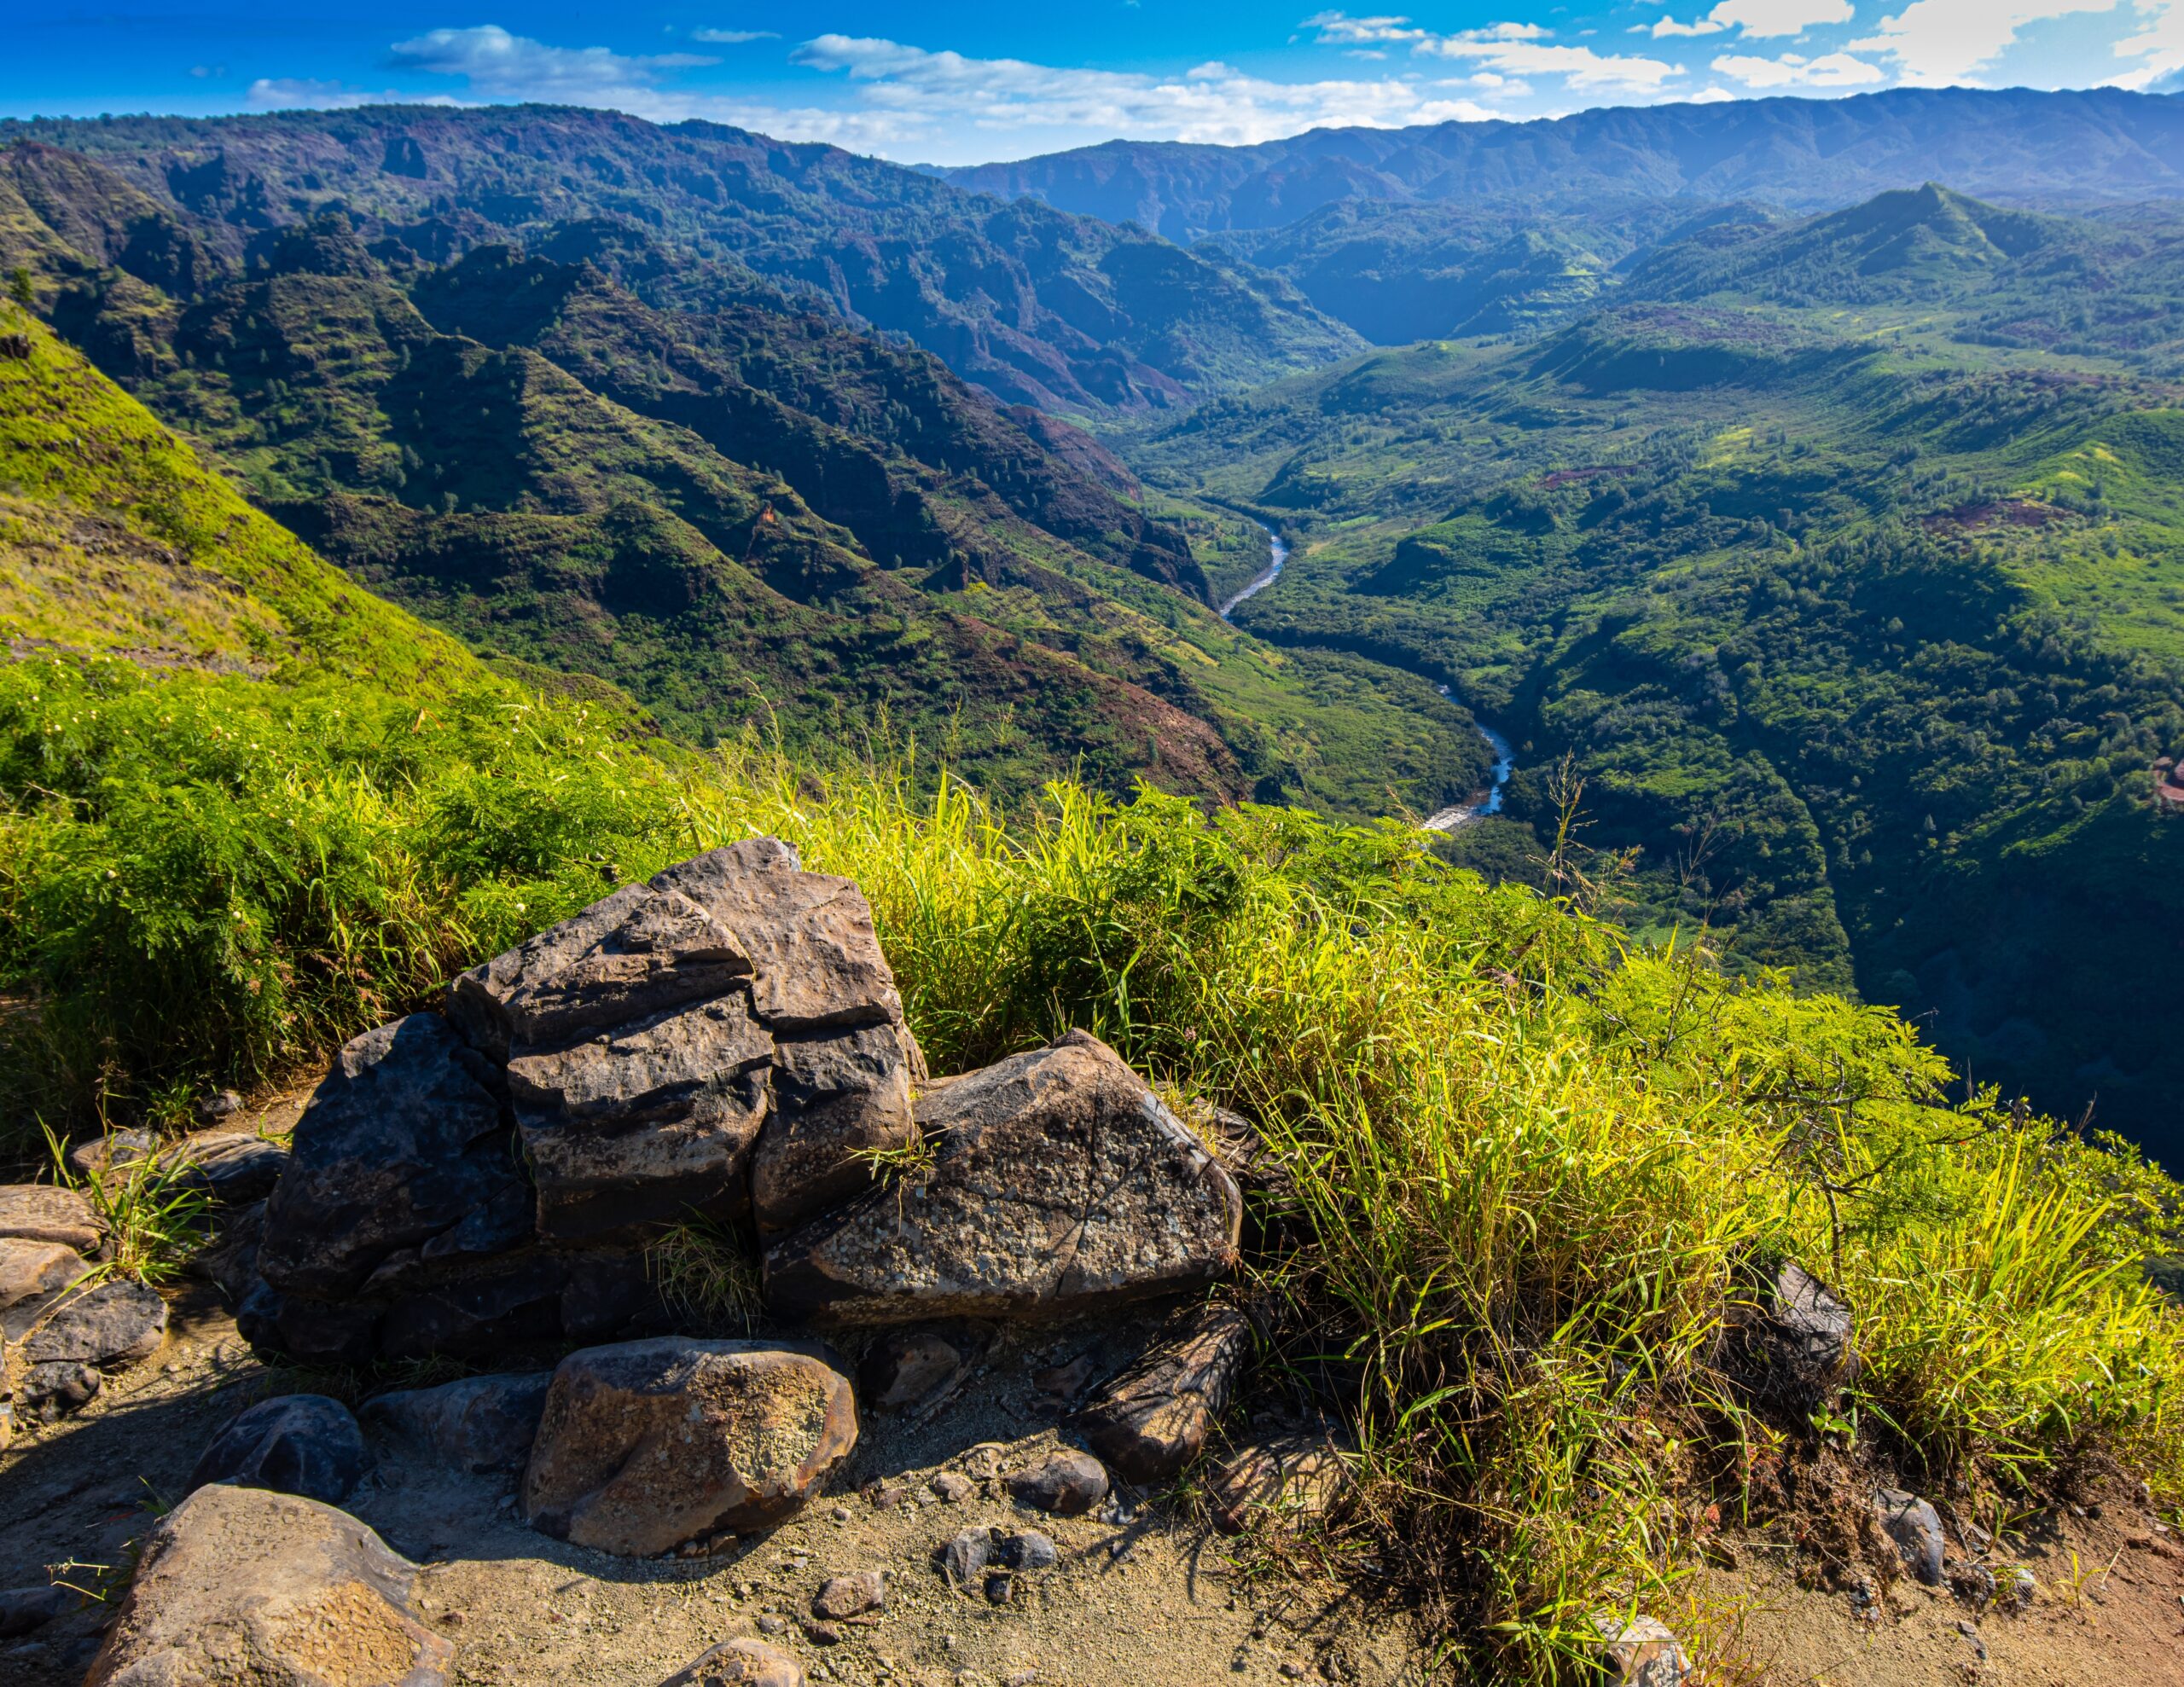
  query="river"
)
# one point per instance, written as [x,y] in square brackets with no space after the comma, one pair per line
[1456,815]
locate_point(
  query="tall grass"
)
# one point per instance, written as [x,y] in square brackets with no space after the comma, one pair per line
[1531,1166]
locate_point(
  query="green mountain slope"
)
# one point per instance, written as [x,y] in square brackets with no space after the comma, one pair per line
[526,453]
[1866,636]
[1040,306]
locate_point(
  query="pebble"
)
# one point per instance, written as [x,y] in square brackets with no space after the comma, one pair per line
[952,1487]
[1065,1483]
[770,1624]
[850,1596]
[841,1514]
[1000,1590]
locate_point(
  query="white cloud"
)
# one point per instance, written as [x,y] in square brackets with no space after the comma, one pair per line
[941,92]
[1830,69]
[1944,42]
[1508,48]
[2159,44]
[300,93]
[1339,29]
[1760,18]
[1710,96]
[733,37]
[501,66]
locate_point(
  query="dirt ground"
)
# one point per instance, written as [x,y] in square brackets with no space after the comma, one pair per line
[1146,1602]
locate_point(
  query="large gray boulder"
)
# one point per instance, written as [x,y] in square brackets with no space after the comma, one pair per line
[838,1097]
[242,1585]
[1156,1416]
[479,1424]
[645,1122]
[646,1446]
[40,1212]
[402,1154]
[1059,1183]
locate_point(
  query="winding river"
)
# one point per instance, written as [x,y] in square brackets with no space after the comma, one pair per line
[1488,802]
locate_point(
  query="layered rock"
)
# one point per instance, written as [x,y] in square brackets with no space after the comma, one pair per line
[489,1180]
[646,1446]
[1153,1420]
[1059,1182]
[38,1212]
[243,1584]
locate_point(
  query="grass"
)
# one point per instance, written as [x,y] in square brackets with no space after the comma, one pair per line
[155,1216]
[1534,1161]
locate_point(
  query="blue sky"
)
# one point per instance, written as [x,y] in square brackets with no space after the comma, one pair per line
[977,80]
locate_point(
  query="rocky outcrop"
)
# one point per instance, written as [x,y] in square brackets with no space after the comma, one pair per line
[1059,1183]
[31,1271]
[646,1446]
[839,1098]
[479,1424]
[243,1584]
[300,1443]
[38,1212]
[1155,1418]
[1792,1344]
[401,1159]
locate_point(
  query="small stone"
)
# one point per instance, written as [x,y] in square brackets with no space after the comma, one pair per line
[63,1385]
[1067,1484]
[1000,1590]
[770,1624]
[1639,1652]
[850,1596]
[840,1514]
[823,1634]
[221,1104]
[952,1487]
[1916,1528]
[2024,1586]
[1028,1550]
[1022,1677]
[1794,1347]
[907,1368]
[302,1444]
[738,1663]
[965,1558]
[1063,1382]
[1292,1669]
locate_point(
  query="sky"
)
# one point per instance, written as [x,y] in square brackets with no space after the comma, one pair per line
[977,80]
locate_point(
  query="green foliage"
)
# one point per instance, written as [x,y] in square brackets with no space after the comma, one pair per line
[1528,1162]
[156,1216]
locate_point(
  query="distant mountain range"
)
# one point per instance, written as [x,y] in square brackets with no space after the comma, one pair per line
[1039,306]
[2018,145]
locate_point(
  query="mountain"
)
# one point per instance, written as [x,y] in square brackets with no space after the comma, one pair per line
[1862,628]
[2026,146]
[1040,306]
[747,516]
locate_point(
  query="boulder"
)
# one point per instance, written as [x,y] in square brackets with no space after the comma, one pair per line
[837,1097]
[644,1123]
[116,1150]
[60,1385]
[816,958]
[642,951]
[738,1663]
[1059,1183]
[301,1444]
[1285,1478]
[1639,1651]
[907,1368]
[29,1270]
[480,1424]
[1067,1484]
[1916,1528]
[234,1166]
[243,1584]
[40,1212]
[1794,1345]
[646,1446]
[1154,1418]
[110,1324]
[402,1149]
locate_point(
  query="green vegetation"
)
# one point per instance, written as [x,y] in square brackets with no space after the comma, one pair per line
[1528,1166]
[1863,635]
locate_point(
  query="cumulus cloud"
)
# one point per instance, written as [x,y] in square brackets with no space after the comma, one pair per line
[2158,44]
[1760,18]
[1941,42]
[1211,103]
[1508,49]
[1830,69]
[305,92]
[501,66]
